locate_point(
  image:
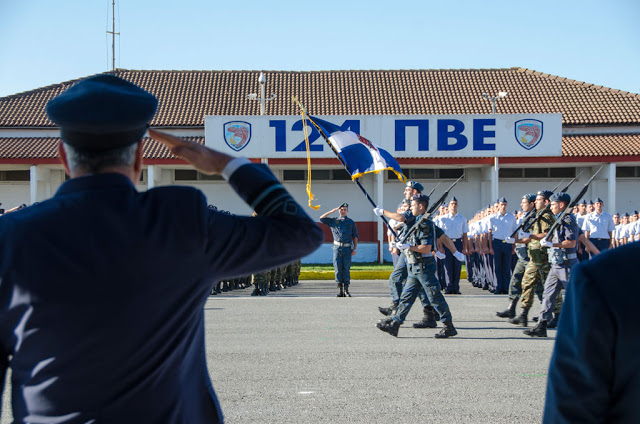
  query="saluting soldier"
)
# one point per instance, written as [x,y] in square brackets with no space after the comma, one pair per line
[538,267]
[562,257]
[345,243]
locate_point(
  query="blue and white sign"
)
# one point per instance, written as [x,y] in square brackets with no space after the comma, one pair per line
[437,136]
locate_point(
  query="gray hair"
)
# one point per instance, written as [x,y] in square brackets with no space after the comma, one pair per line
[94,162]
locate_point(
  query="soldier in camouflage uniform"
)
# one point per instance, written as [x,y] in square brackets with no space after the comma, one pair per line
[537,269]
[260,283]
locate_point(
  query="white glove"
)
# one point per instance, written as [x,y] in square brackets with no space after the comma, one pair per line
[459,256]
[524,235]
[510,240]
[378,211]
[440,255]
[402,246]
[546,243]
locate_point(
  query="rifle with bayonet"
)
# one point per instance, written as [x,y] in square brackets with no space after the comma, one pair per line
[533,216]
[569,208]
[430,211]
[433,189]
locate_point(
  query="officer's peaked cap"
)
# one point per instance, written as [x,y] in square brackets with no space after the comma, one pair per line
[344,205]
[415,185]
[102,112]
[561,197]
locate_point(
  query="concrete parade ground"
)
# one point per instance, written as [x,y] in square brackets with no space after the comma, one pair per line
[301,355]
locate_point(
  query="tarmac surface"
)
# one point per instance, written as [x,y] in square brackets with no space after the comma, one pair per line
[301,355]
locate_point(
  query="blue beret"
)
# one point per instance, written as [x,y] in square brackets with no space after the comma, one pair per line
[530,197]
[598,200]
[502,200]
[344,205]
[561,197]
[453,199]
[545,193]
[102,112]
[420,198]
[415,185]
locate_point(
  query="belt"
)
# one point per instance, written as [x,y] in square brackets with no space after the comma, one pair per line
[497,239]
[455,240]
[598,238]
[337,243]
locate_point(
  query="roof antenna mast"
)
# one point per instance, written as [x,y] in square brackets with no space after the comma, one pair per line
[113,35]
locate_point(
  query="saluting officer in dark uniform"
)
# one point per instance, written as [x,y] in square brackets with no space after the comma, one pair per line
[345,243]
[102,288]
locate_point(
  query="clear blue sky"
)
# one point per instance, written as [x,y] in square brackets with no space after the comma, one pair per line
[45,42]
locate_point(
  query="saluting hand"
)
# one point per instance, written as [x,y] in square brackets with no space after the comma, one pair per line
[204,159]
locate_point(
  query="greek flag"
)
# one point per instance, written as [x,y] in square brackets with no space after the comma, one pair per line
[359,155]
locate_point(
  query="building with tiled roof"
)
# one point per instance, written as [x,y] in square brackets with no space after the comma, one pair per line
[599,126]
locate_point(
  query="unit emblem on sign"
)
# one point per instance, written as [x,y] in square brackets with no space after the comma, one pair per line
[237,134]
[528,132]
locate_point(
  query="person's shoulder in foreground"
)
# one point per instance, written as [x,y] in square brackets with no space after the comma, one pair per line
[594,375]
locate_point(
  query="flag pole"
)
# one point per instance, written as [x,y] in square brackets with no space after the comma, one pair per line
[346,167]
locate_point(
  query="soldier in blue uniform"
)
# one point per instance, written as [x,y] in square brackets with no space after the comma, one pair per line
[345,243]
[562,257]
[102,288]
[422,274]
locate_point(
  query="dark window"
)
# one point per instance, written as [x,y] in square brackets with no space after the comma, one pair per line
[193,175]
[627,171]
[562,172]
[417,174]
[294,175]
[451,173]
[510,172]
[15,175]
[320,174]
[536,172]
[185,175]
[341,175]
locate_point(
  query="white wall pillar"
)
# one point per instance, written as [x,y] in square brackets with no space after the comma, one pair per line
[39,183]
[381,227]
[495,188]
[151,176]
[611,195]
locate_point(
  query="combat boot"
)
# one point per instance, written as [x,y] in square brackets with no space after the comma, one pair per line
[428,320]
[255,292]
[346,291]
[510,312]
[521,319]
[554,321]
[340,290]
[390,326]
[448,331]
[539,330]
[391,310]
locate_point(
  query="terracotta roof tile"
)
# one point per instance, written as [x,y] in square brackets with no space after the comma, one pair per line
[572,146]
[187,96]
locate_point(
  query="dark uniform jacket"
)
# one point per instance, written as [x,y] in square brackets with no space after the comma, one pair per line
[102,291]
[594,376]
